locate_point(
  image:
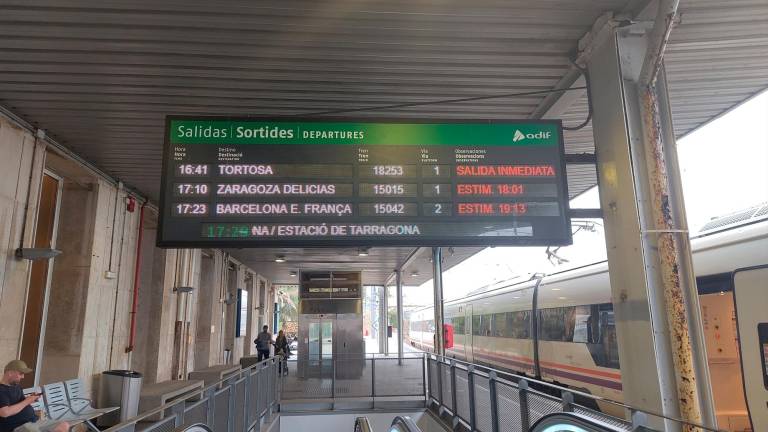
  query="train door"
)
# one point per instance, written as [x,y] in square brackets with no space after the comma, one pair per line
[750,294]
[468,352]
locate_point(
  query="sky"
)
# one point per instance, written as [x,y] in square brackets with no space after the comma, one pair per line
[724,168]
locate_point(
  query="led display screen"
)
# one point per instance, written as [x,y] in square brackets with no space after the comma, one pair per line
[264,183]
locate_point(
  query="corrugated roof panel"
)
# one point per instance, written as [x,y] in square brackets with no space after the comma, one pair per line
[100,77]
[717,58]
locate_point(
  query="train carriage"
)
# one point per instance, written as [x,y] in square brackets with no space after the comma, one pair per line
[561,328]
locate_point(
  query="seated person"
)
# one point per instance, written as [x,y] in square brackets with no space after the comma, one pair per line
[16,414]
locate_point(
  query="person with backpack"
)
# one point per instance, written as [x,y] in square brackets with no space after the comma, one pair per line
[282,349]
[263,341]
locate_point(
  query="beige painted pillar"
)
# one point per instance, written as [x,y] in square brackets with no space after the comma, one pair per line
[207,299]
[16,165]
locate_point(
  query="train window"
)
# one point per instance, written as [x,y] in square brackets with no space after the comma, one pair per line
[552,324]
[481,325]
[610,345]
[579,318]
[458,325]
[519,324]
[476,319]
[500,328]
[486,324]
[608,355]
[430,326]
[593,324]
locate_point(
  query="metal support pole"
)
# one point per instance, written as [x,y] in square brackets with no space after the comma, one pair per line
[385,317]
[247,395]
[210,406]
[522,396]
[668,254]
[567,401]
[178,414]
[453,388]
[684,262]
[400,330]
[424,365]
[655,300]
[471,390]
[493,401]
[437,279]
[438,365]
[383,320]
[373,377]
[231,407]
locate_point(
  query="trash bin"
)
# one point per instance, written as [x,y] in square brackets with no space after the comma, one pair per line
[119,388]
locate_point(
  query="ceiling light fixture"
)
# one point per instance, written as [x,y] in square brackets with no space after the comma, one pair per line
[362,251]
[414,273]
[280,259]
[292,273]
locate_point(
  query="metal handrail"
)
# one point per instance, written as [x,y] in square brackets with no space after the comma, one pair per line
[373,378]
[197,427]
[362,425]
[404,424]
[473,368]
[191,394]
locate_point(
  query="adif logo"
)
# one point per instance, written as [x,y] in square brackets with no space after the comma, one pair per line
[519,136]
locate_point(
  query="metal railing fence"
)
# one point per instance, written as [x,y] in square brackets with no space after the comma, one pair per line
[489,400]
[355,377]
[235,404]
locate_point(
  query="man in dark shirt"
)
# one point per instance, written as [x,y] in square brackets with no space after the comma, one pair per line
[16,413]
[263,341]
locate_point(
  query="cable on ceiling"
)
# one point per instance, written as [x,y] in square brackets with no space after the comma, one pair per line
[585,72]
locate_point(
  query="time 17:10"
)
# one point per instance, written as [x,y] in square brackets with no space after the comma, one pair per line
[192,189]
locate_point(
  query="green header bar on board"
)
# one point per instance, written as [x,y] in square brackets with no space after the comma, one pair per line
[188,131]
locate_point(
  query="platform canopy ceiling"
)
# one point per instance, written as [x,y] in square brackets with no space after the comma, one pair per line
[100,77]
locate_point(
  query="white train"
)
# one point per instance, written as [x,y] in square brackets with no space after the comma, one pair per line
[576,343]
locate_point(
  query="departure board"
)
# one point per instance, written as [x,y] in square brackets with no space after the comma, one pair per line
[231,182]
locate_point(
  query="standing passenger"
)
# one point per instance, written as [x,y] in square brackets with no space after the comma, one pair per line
[282,348]
[263,341]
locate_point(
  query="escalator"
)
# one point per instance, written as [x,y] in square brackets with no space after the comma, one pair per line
[570,422]
[404,424]
[362,425]
[399,424]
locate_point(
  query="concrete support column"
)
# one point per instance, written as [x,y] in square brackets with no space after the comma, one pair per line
[437,278]
[649,354]
[207,297]
[239,342]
